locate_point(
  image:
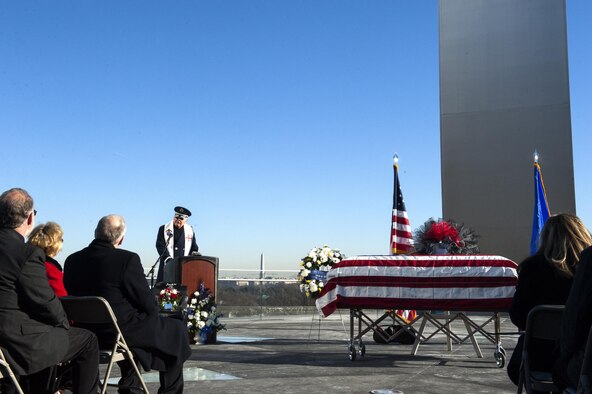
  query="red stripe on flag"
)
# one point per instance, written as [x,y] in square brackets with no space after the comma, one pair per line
[401,219]
[482,305]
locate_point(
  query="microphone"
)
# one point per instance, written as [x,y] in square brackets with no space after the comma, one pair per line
[150,274]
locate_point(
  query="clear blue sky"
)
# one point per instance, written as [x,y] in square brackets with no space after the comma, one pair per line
[274,121]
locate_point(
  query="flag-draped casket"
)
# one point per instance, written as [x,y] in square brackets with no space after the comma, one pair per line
[443,282]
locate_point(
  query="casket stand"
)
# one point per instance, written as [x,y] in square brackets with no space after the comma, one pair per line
[458,283]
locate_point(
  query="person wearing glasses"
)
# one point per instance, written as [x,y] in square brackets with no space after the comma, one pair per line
[34,329]
[175,239]
[50,238]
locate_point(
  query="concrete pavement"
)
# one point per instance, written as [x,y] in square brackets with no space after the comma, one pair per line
[296,354]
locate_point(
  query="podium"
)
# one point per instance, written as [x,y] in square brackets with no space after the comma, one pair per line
[190,271]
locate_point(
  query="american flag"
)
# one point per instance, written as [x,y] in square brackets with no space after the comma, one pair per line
[446,282]
[401,236]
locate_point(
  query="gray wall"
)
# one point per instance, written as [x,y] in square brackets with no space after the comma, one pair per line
[504,92]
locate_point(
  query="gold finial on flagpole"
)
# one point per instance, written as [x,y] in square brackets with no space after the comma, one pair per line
[536,156]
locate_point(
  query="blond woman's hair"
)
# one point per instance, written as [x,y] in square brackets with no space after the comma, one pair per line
[48,237]
[563,238]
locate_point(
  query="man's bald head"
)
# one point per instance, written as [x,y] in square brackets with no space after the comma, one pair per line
[111,228]
[16,206]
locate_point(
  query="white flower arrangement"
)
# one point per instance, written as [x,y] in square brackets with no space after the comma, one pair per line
[314,267]
[202,315]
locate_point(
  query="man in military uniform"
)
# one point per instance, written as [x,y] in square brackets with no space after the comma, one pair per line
[175,239]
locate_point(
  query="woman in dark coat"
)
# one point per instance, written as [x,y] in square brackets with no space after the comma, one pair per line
[546,278]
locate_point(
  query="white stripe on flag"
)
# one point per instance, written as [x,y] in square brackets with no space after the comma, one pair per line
[423,272]
[447,293]
[403,241]
[402,227]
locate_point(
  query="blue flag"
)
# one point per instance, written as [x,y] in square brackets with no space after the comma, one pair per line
[541,208]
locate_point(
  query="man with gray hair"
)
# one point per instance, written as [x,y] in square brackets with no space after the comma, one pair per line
[111,228]
[104,269]
[34,328]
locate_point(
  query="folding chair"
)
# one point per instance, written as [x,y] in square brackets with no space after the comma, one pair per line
[97,311]
[6,372]
[543,322]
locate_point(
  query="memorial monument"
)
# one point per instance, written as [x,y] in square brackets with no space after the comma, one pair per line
[504,93]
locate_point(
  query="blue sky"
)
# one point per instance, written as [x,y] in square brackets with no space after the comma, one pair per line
[275,122]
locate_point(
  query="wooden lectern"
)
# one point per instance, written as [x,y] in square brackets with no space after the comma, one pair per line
[193,270]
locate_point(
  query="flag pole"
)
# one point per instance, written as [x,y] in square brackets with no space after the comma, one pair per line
[396,169]
[400,229]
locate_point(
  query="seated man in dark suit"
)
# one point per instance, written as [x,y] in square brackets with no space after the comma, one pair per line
[33,325]
[102,269]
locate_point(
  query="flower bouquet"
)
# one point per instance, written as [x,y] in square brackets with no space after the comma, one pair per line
[313,274]
[202,316]
[445,237]
[170,298]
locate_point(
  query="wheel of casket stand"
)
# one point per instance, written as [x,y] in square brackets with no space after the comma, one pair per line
[352,352]
[362,350]
[500,358]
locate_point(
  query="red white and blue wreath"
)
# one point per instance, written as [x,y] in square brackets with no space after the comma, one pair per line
[445,237]
[170,298]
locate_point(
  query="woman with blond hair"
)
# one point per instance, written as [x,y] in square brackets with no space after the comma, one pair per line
[546,278]
[49,237]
